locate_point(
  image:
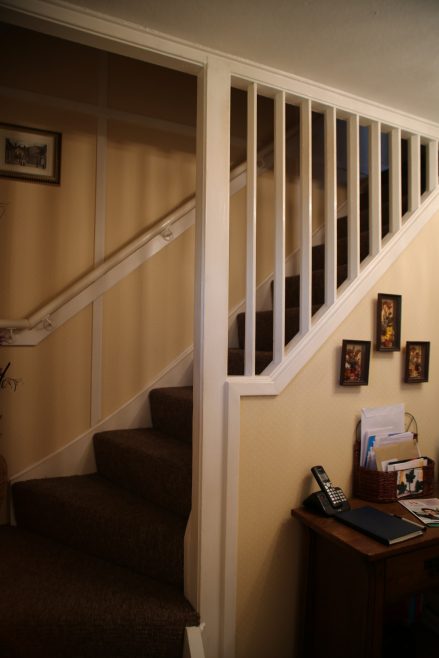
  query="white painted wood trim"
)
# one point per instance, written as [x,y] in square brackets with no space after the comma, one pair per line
[279,255]
[353,198]
[206,564]
[96,361]
[102,31]
[395,181]
[414,172]
[295,360]
[38,326]
[330,206]
[432,165]
[252,156]
[233,412]
[193,642]
[306,214]
[99,252]
[375,188]
[92,285]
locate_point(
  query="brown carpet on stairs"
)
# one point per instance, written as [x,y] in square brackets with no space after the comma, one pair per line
[95,567]
[60,603]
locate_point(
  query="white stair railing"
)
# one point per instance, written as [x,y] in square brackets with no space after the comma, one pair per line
[357,262]
[37,326]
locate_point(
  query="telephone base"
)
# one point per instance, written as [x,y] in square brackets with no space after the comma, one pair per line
[318,502]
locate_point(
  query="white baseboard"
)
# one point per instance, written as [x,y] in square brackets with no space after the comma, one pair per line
[193,642]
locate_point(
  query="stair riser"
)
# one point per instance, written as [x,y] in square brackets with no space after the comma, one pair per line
[155,467]
[171,412]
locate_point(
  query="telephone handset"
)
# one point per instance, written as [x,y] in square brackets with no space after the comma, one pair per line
[330,500]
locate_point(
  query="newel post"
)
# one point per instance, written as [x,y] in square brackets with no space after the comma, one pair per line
[204,580]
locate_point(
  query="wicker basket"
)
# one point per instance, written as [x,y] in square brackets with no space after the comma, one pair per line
[380,487]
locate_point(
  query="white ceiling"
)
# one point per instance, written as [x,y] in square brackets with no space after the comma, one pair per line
[383,50]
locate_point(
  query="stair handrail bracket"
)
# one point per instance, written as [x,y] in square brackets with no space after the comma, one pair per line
[27,331]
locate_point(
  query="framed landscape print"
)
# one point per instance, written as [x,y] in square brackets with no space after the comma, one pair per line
[354,367]
[388,323]
[417,361]
[30,154]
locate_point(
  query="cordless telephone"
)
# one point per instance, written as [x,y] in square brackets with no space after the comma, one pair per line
[329,500]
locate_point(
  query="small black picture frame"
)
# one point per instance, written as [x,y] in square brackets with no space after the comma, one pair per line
[30,154]
[388,323]
[417,361]
[354,365]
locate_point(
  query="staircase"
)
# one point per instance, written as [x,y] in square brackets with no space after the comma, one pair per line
[264,319]
[94,567]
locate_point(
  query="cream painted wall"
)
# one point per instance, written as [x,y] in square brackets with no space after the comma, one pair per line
[52,404]
[48,233]
[313,421]
[148,322]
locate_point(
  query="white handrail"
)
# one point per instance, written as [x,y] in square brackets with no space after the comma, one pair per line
[161,228]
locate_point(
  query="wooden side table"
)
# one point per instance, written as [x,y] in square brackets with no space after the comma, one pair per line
[353,580]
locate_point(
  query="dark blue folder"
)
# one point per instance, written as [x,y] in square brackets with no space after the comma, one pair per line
[383,527]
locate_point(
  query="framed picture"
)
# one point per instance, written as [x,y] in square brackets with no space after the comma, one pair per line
[388,332]
[30,154]
[417,360]
[354,367]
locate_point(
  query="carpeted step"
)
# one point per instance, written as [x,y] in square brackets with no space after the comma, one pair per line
[318,254]
[171,411]
[236,361]
[264,327]
[90,513]
[148,463]
[57,602]
[292,287]
[318,251]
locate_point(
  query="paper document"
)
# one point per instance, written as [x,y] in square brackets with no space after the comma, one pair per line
[404,449]
[380,421]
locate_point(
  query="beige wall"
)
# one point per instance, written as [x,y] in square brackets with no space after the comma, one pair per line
[48,233]
[313,421]
[47,241]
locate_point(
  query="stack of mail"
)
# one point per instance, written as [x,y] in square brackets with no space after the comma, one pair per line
[385,446]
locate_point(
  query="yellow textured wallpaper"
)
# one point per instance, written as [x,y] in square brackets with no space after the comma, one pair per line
[51,405]
[148,321]
[313,421]
[48,233]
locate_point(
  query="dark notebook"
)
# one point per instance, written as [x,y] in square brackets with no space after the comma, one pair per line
[383,527]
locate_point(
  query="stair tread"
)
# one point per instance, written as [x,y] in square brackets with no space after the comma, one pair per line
[90,513]
[264,326]
[57,601]
[236,357]
[178,392]
[149,463]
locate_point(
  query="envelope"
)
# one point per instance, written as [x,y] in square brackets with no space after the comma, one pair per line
[396,452]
